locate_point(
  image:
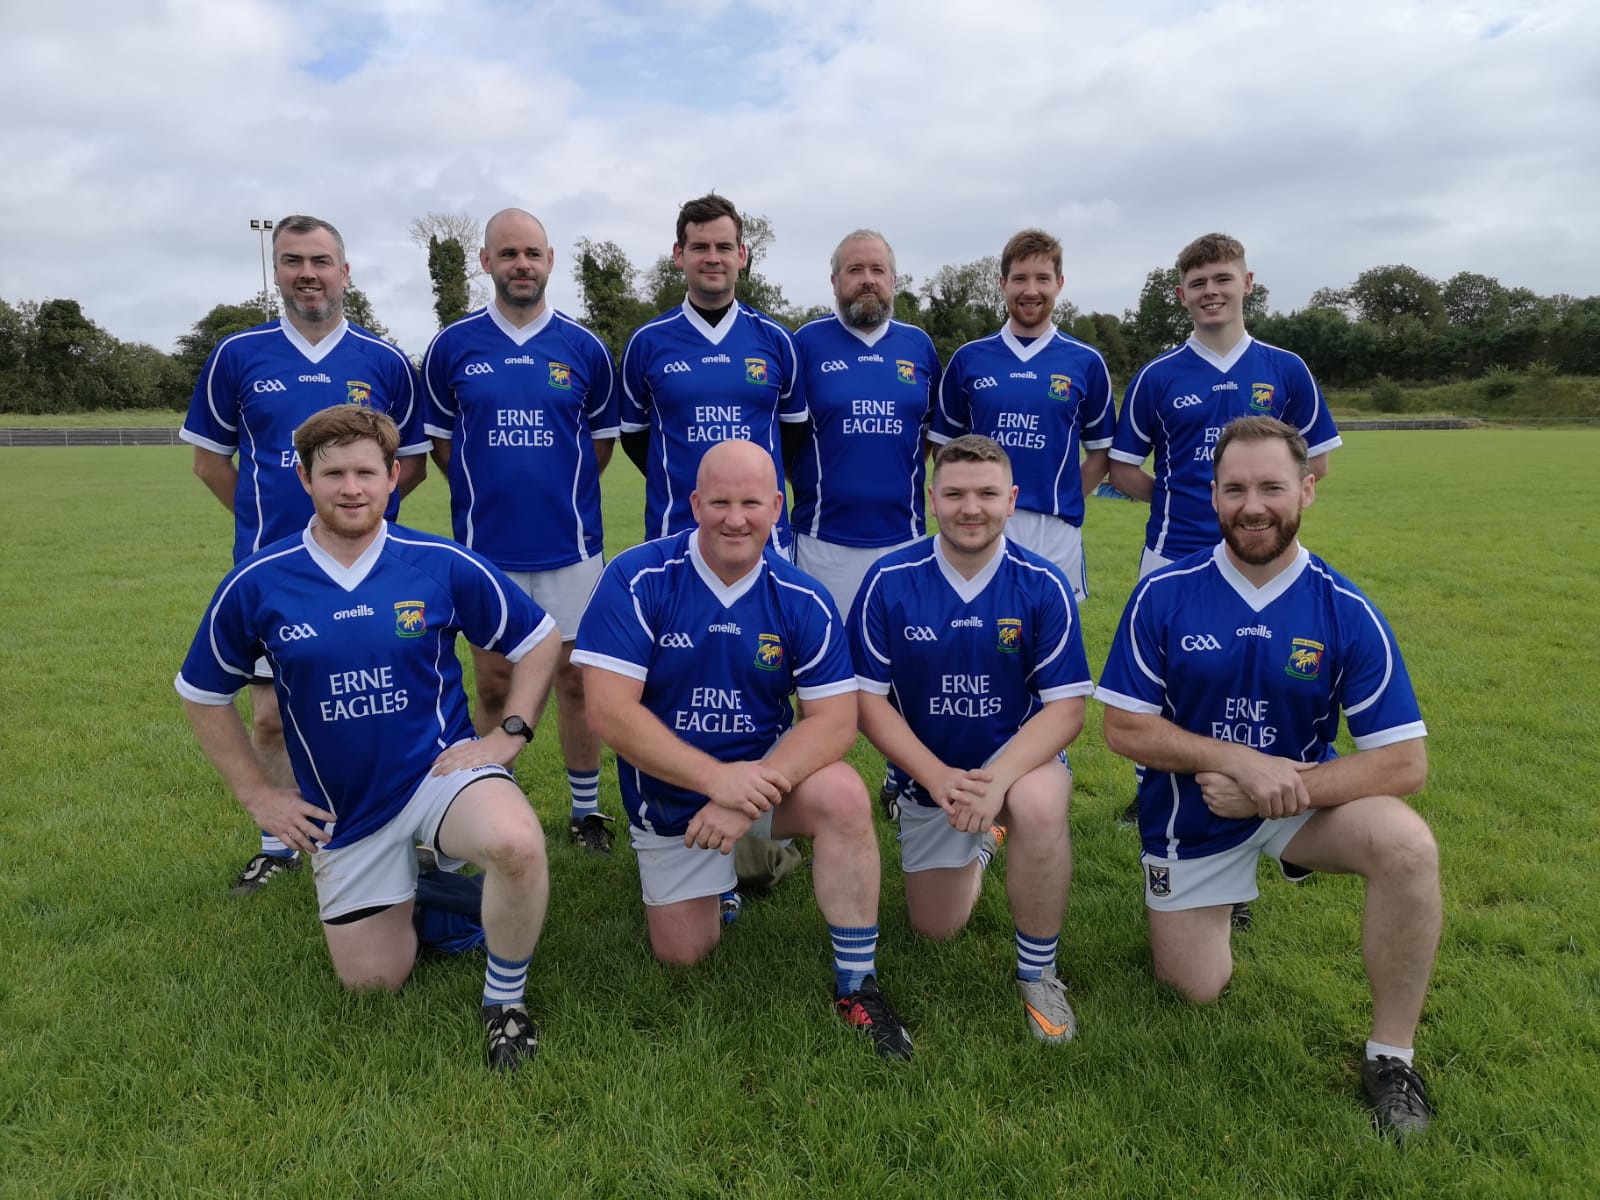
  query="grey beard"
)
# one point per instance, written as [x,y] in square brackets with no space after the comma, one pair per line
[866,311]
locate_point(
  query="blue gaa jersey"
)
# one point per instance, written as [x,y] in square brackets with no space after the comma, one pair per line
[692,385]
[363,660]
[522,409]
[256,389]
[718,662]
[1041,402]
[859,480]
[1269,667]
[1177,407]
[967,661]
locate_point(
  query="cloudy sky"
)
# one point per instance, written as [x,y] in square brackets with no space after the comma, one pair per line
[142,135]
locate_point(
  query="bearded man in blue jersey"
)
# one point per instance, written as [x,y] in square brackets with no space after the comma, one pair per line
[358,619]
[1226,680]
[522,409]
[972,675]
[694,648]
[257,387]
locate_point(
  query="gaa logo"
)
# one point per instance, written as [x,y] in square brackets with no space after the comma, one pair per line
[677,641]
[835,364]
[296,633]
[920,633]
[1203,641]
[478,368]
[1186,401]
[269,385]
[676,368]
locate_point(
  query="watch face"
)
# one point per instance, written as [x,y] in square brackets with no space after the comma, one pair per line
[517,726]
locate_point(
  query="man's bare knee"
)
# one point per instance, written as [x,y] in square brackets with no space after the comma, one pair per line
[1204,988]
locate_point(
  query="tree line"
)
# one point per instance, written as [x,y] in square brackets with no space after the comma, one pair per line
[1393,323]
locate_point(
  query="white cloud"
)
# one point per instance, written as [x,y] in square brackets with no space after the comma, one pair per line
[1451,136]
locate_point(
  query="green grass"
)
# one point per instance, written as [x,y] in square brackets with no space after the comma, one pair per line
[159,1038]
[1528,396]
[125,418]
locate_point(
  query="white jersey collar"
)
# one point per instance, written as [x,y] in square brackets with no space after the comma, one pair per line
[520,336]
[728,594]
[351,577]
[323,348]
[712,333]
[867,337]
[1259,597]
[1222,362]
[1034,347]
[969,589]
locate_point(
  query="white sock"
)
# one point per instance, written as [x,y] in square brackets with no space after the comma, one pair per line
[1403,1053]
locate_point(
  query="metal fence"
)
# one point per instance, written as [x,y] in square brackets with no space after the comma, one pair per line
[87,436]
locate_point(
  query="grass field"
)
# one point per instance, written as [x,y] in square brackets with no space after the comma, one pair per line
[159,1038]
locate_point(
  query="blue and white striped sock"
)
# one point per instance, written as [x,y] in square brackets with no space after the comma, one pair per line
[854,956]
[274,847]
[585,789]
[504,980]
[1035,956]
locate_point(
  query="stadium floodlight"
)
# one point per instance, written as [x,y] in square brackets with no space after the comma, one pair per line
[262,228]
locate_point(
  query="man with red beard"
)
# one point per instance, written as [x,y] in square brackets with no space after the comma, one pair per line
[1226,680]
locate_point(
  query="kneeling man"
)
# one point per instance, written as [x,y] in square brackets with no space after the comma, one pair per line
[1226,681]
[359,620]
[972,673]
[691,647]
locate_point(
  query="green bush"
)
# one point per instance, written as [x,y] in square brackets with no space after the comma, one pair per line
[1387,395]
[1499,383]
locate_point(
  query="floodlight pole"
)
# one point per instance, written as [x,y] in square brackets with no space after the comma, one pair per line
[262,228]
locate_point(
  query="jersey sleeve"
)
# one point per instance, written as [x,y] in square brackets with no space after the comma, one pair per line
[952,415]
[495,614]
[1134,677]
[441,398]
[1308,412]
[213,419]
[1097,415]
[869,635]
[221,658]
[612,634]
[601,407]
[407,409]
[1063,667]
[1380,706]
[822,660]
[792,400]
[1132,442]
[635,399]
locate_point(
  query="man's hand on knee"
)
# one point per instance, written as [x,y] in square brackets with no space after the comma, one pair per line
[747,788]
[716,828]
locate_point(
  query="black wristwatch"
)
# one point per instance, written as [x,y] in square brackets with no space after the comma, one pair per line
[517,726]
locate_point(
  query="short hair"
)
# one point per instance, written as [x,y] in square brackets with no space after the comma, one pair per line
[1028,244]
[1209,248]
[1261,429]
[972,447]
[340,426]
[703,209]
[861,235]
[300,223]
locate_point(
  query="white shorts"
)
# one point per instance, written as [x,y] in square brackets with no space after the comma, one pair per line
[670,872]
[1052,538]
[838,568]
[1151,561]
[262,673]
[928,841]
[563,593]
[381,868]
[1228,877]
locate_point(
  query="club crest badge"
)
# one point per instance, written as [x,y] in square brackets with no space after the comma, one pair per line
[1010,635]
[905,370]
[1305,658]
[755,370]
[410,619]
[1160,880]
[1060,387]
[357,392]
[769,651]
[561,376]
[1261,397]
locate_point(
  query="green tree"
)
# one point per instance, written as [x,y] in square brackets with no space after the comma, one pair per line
[1160,322]
[193,347]
[1384,295]
[447,268]
[1473,300]
[963,302]
[358,311]
[608,280]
